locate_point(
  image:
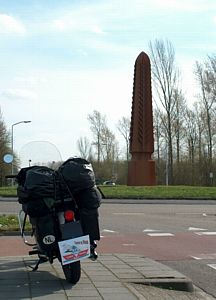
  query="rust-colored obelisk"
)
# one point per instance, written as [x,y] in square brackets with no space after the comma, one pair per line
[141,168]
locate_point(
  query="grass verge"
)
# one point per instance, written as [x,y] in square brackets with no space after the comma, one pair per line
[159,192]
[144,192]
[11,223]
[8,191]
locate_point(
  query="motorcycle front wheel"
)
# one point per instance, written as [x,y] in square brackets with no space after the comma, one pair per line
[72,272]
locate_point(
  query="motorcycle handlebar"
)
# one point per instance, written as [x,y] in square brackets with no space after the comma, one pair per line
[11,176]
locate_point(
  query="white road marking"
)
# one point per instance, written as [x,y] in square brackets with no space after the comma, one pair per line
[195,229]
[129,214]
[205,256]
[129,245]
[212,266]
[192,213]
[150,230]
[107,230]
[160,234]
[206,233]
[197,258]
[189,213]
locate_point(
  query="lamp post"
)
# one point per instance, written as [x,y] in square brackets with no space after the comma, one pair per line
[12,141]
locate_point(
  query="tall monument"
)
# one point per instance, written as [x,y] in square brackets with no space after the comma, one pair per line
[141,168]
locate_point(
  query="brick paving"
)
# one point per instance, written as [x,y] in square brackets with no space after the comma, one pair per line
[111,277]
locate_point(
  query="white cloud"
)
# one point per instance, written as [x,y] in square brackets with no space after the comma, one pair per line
[9,25]
[14,94]
[77,23]
[185,5]
[59,25]
[103,18]
[96,29]
[59,114]
[104,40]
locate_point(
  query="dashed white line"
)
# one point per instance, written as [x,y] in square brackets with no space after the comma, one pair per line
[189,213]
[150,230]
[195,229]
[196,257]
[205,256]
[160,234]
[129,214]
[206,233]
[213,266]
[108,230]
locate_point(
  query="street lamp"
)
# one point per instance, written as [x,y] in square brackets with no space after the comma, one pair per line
[12,142]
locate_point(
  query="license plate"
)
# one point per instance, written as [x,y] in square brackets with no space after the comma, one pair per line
[75,249]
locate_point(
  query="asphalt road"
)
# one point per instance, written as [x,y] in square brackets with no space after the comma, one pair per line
[181,235]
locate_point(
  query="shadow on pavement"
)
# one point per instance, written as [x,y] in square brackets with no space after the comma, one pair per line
[17,280]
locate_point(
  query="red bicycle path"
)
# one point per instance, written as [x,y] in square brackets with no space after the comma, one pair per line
[179,247]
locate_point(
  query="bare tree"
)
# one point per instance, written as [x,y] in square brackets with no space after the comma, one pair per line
[124,128]
[165,78]
[206,77]
[178,119]
[97,125]
[4,149]
[84,147]
[161,145]
[192,136]
[104,139]
[108,140]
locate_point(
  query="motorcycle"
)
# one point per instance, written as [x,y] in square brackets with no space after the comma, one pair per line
[56,217]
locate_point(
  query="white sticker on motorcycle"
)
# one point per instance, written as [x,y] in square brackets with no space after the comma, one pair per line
[74,249]
[48,239]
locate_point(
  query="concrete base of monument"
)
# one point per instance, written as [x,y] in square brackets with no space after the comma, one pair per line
[141,173]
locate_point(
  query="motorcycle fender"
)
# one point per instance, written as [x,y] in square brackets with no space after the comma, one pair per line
[71,230]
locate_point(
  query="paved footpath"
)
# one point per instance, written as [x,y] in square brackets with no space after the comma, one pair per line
[111,277]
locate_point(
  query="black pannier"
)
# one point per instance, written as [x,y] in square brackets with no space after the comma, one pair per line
[90,224]
[88,201]
[39,187]
[37,208]
[39,182]
[36,189]
[35,182]
[78,174]
[45,228]
[88,198]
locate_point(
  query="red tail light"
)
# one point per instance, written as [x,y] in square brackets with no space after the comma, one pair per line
[69,215]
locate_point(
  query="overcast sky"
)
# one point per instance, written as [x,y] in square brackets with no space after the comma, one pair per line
[60,60]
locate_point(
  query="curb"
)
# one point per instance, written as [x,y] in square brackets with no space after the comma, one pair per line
[184,284]
[148,272]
